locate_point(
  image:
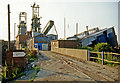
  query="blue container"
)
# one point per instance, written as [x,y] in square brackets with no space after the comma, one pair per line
[40,46]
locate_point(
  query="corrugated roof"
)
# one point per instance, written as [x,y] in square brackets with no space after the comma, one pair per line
[95,33]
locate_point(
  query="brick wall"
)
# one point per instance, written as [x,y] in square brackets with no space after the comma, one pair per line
[54,44]
[64,43]
[68,44]
[19,40]
[30,44]
[18,61]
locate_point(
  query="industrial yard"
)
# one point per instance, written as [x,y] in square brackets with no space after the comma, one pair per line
[57,67]
[39,53]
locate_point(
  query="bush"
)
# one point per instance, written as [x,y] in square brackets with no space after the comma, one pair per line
[79,46]
[103,47]
[37,69]
[88,48]
[119,45]
[32,55]
[107,48]
[32,59]
[10,73]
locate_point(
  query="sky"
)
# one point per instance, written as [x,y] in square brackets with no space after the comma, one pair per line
[91,13]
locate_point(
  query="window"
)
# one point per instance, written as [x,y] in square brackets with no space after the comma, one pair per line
[53,43]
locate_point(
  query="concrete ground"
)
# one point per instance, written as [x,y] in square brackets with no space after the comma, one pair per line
[57,67]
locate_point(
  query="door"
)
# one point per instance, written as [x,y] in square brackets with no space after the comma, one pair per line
[44,46]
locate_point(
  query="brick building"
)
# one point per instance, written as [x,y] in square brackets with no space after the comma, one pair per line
[39,41]
[35,38]
[64,43]
[21,41]
[23,35]
[3,47]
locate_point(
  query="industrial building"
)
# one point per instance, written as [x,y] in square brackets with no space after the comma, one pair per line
[34,39]
[40,41]
[95,35]
[64,44]
[22,31]
[3,47]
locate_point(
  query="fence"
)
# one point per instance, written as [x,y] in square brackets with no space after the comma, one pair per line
[104,55]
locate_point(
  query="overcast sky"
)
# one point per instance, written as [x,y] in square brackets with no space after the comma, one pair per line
[101,13]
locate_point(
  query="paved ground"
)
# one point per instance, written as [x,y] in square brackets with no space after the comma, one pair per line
[56,67]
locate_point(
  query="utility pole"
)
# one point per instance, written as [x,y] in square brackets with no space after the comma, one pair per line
[8,27]
[87,30]
[14,34]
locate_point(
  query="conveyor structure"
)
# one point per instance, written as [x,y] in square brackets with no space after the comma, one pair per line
[48,27]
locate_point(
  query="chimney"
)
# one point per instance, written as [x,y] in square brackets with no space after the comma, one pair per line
[87,33]
[76,30]
[87,28]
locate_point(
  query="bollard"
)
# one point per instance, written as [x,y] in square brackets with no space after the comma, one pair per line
[103,57]
[88,55]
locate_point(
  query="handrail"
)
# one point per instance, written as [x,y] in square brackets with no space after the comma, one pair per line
[96,52]
[102,53]
[105,60]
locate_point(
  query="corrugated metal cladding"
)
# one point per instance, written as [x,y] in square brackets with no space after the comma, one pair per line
[44,39]
[52,37]
[107,35]
[48,27]
[41,46]
[22,31]
[40,41]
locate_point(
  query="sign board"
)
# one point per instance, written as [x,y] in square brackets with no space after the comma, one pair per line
[18,54]
[36,45]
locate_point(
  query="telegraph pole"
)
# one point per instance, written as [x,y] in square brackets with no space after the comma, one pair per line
[8,27]
[14,34]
